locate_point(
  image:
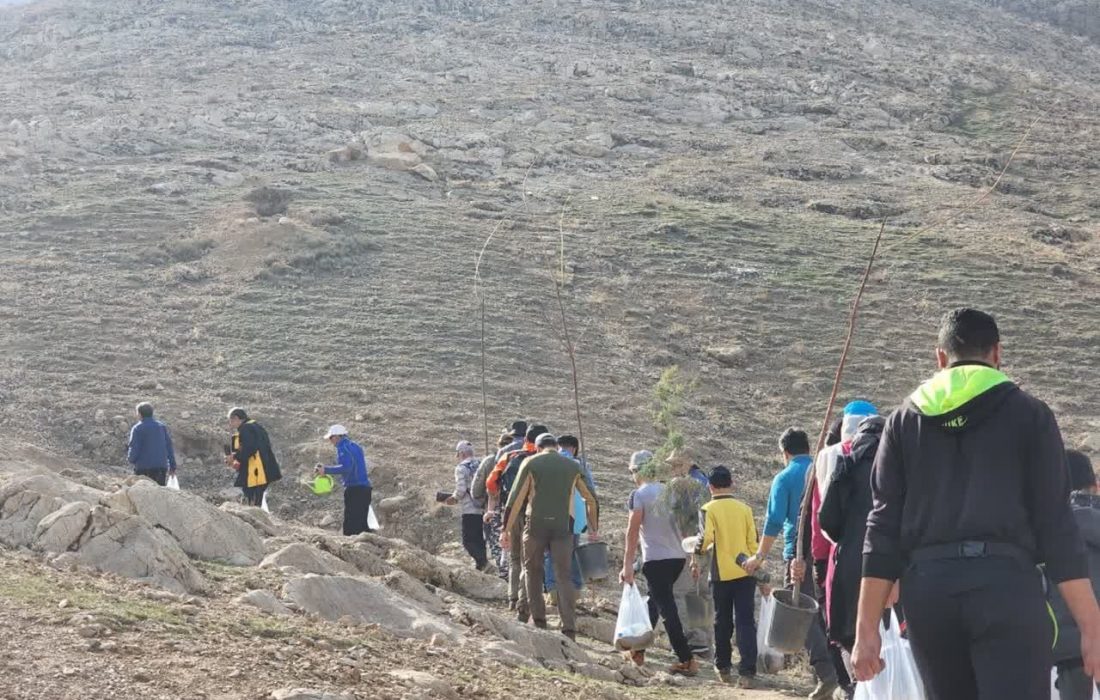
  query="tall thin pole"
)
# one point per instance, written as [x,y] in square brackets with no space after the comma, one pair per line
[573,363]
[807,493]
[484,390]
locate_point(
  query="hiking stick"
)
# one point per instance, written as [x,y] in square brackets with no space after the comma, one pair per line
[807,493]
[573,365]
[484,390]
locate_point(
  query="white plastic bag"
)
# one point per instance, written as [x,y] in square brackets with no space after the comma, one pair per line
[172,483]
[900,680]
[372,520]
[1055,695]
[263,503]
[633,631]
[768,660]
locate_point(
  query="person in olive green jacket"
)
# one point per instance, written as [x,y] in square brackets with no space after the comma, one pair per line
[544,491]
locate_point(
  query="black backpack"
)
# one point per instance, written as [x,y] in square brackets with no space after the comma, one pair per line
[508,478]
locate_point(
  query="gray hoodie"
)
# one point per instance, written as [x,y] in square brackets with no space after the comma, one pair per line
[1086,511]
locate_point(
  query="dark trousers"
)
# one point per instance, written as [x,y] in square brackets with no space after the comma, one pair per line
[473,539]
[979,628]
[734,601]
[253,495]
[1073,684]
[356,509]
[661,576]
[158,475]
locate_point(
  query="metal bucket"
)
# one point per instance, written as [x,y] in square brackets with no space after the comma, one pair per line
[699,612]
[592,557]
[791,622]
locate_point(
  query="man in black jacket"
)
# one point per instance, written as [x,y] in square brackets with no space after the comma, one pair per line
[843,516]
[251,455]
[970,493]
[1073,683]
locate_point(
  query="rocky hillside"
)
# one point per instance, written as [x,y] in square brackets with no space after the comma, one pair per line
[282,205]
[123,589]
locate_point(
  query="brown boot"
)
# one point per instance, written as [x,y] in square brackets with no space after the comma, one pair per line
[684,668]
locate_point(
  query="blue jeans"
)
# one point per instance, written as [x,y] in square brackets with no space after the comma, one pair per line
[549,583]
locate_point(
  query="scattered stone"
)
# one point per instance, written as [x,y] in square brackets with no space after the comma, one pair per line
[265,601]
[432,685]
[425,171]
[307,694]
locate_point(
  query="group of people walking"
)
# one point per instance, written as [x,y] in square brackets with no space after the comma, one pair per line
[961,508]
[528,504]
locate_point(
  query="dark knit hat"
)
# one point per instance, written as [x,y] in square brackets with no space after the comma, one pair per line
[1081,474]
[534,431]
[518,429]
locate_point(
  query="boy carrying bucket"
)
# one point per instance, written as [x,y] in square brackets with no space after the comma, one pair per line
[729,529]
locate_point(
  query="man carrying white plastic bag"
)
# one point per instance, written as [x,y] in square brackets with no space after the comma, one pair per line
[900,680]
[633,631]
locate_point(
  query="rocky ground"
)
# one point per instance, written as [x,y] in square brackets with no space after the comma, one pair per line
[123,589]
[301,207]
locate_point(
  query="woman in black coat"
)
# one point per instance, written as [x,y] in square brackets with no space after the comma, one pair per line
[844,509]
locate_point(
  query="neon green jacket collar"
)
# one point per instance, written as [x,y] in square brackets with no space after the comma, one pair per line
[955,387]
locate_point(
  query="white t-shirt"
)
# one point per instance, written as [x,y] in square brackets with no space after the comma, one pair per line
[660,537]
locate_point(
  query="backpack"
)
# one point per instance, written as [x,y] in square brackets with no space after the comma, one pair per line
[478,491]
[510,473]
[471,466]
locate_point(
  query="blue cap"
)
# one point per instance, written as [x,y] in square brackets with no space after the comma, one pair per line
[860,408]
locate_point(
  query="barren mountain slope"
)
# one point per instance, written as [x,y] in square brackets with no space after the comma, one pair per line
[716,172]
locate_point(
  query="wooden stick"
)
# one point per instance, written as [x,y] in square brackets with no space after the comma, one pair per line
[484,390]
[573,364]
[807,493]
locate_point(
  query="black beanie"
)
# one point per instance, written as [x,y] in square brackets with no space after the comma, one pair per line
[534,431]
[1081,474]
[519,428]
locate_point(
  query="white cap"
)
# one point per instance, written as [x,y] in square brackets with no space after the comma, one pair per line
[335,430]
[464,446]
[638,459]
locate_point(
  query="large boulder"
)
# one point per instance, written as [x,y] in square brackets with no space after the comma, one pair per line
[256,517]
[545,646]
[447,574]
[203,531]
[109,540]
[308,560]
[25,501]
[365,601]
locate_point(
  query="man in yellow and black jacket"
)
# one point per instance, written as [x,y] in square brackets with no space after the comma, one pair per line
[250,454]
[970,493]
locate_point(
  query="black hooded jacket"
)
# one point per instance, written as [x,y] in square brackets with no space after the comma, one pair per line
[970,456]
[844,509]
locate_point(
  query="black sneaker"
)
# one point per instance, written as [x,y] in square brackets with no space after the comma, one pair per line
[701,651]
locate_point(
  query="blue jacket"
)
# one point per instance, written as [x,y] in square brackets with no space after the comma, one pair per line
[785,501]
[351,464]
[150,446]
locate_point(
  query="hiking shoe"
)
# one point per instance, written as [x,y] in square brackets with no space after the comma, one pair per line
[824,690]
[725,675]
[701,651]
[746,682]
[684,668]
[570,634]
